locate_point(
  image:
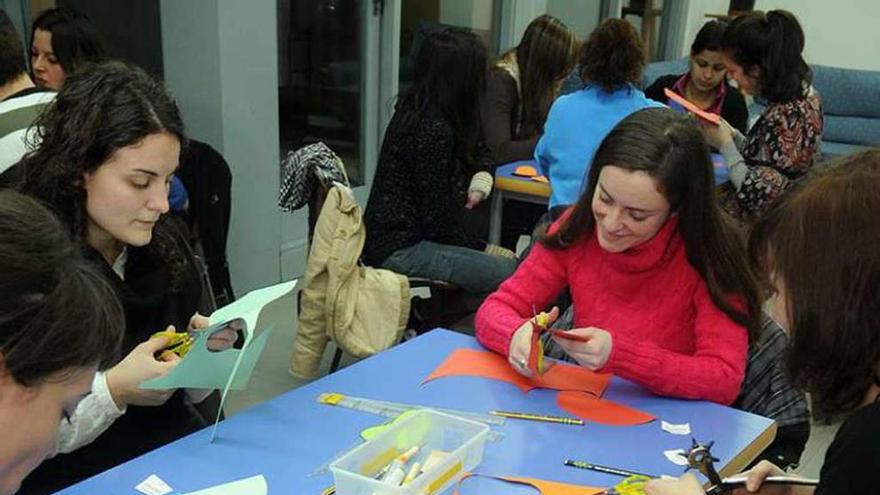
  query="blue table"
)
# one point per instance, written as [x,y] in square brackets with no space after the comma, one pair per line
[288,437]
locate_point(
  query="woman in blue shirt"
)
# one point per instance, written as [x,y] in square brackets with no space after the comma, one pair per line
[611,64]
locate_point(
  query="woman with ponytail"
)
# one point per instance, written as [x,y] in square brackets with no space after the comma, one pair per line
[763,54]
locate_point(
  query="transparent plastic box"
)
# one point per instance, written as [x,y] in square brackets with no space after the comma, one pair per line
[462,439]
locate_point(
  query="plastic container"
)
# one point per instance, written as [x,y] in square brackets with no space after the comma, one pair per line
[463,440]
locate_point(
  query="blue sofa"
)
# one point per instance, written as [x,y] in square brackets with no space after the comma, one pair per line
[850,103]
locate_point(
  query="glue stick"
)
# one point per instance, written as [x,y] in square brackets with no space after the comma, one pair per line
[396,471]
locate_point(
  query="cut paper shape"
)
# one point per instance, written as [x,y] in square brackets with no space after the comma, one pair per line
[255,485]
[232,368]
[676,456]
[485,364]
[543,487]
[601,411]
[525,171]
[709,117]
[153,485]
[682,429]
[372,431]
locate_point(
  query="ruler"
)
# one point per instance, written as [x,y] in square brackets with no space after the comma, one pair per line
[395,409]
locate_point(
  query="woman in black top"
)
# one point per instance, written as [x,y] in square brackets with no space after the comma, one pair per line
[705,83]
[108,147]
[826,296]
[433,170]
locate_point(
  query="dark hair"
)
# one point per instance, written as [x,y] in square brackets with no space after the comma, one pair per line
[450,78]
[671,148]
[57,311]
[772,42]
[98,111]
[613,55]
[821,242]
[75,41]
[544,55]
[12,62]
[709,37]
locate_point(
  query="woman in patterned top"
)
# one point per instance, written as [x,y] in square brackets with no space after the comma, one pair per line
[762,53]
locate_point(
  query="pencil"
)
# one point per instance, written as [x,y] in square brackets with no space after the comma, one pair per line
[538,417]
[604,469]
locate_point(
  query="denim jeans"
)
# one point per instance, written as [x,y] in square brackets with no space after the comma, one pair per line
[474,271]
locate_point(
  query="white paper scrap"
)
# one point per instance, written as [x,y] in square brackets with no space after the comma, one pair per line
[676,456]
[683,429]
[153,485]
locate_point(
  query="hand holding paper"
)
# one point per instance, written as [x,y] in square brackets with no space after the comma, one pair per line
[593,351]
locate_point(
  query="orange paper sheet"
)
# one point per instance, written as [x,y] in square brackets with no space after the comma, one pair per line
[601,411]
[709,117]
[525,171]
[543,486]
[471,362]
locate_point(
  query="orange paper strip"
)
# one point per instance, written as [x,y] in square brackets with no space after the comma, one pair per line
[709,117]
[470,362]
[543,486]
[601,411]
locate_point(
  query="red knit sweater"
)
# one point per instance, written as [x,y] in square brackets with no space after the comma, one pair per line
[667,334]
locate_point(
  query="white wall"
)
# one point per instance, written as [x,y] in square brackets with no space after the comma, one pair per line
[581,16]
[221,65]
[842,33]
[474,14]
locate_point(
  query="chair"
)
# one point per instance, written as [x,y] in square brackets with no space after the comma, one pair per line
[442,292]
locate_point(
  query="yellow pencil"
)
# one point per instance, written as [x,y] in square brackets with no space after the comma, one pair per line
[539,417]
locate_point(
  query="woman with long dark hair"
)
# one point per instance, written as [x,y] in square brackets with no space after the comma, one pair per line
[763,54]
[705,83]
[824,283]
[433,169]
[62,41]
[522,85]
[659,280]
[59,322]
[108,147]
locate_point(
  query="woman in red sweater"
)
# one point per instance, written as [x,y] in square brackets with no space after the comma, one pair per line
[659,278]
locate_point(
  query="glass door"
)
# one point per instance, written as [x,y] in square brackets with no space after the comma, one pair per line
[328,90]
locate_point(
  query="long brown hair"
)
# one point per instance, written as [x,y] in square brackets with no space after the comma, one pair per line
[821,242]
[670,148]
[544,55]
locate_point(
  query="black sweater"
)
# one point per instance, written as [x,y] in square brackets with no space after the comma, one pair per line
[733,110]
[420,188]
[150,305]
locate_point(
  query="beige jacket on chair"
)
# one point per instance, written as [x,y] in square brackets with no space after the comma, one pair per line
[364,310]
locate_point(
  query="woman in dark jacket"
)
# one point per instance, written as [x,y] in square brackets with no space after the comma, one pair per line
[705,82]
[433,170]
[108,147]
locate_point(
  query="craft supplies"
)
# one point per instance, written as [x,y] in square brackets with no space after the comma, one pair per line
[539,417]
[604,469]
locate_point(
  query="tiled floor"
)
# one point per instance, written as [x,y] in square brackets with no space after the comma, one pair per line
[272,378]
